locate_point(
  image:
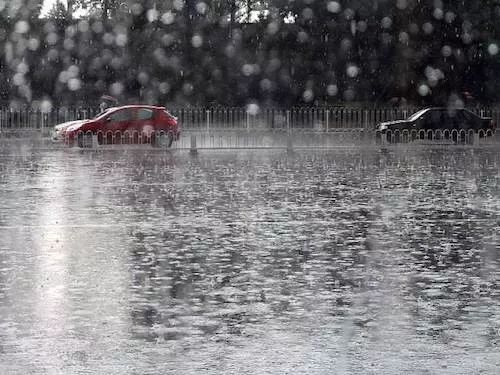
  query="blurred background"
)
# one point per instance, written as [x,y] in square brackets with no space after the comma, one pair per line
[274,53]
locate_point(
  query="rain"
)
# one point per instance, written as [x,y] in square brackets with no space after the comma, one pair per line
[276,201]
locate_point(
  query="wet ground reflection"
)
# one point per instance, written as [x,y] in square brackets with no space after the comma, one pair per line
[352,261]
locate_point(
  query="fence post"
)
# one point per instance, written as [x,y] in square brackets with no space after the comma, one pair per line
[193,150]
[327,119]
[208,120]
[383,138]
[248,121]
[475,139]
[288,121]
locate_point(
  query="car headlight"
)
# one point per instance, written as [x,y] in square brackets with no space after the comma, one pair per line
[383,127]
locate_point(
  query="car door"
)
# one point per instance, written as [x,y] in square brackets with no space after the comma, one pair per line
[449,119]
[144,121]
[119,121]
[429,120]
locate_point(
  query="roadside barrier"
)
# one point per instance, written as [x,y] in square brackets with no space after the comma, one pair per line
[321,119]
[295,139]
[89,139]
[456,136]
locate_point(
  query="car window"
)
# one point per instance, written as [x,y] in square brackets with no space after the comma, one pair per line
[436,116]
[121,115]
[145,114]
[102,113]
[417,115]
[469,116]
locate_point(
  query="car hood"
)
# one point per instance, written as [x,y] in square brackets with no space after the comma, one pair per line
[69,124]
[77,125]
[392,123]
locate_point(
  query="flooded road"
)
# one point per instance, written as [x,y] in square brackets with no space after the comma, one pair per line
[263,262]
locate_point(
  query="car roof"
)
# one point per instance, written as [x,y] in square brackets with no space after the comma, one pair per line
[446,109]
[138,106]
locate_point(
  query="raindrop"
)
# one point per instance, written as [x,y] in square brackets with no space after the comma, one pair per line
[136,8]
[121,39]
[349,14]
[467,38]
[493,49]
[116,89]
[52,39]
[152,15]
[427,28]
[438,13]
[402,4]
[307,13]
[423,89]
[74,84]
[247,69]
[446,51]
[302,37]
[178,4]
[168,18]
[164,87]
[46,105]
[349,94]
[308,95]
[197,41]
[386,22]
[187,88]
[266,84]
[352,70]
[22,27]
[404,37]
[273,28]
[201,7]
[253,109]
[18,79]
[333,7]
[449,17]
[332,90]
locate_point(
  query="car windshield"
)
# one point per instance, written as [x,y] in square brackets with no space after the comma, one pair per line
[416,115]
[102,113]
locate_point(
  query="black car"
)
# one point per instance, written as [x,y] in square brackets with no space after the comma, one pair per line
[440,119]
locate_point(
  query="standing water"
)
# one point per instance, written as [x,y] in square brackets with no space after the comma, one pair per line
[351,261]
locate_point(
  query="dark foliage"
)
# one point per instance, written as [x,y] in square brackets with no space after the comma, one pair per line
[196,53]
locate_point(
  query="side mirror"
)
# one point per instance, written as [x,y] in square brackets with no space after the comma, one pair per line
[108,119]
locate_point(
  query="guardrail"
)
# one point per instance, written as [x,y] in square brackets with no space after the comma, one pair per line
[456,136]
[196,139]
[322,119]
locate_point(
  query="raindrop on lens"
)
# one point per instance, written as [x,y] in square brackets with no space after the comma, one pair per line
[423,90]
[493,49]
[332,90]
[333,7]
[308,95]
[197,41]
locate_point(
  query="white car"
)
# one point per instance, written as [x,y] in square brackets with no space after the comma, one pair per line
[60,128]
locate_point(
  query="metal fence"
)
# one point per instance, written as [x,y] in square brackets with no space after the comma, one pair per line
[321,119]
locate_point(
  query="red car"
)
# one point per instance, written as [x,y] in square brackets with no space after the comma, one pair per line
[130,124]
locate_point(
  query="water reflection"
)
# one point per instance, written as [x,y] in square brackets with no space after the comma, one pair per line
[347,252]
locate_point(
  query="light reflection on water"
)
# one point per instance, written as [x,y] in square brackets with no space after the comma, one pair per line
[252,262]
